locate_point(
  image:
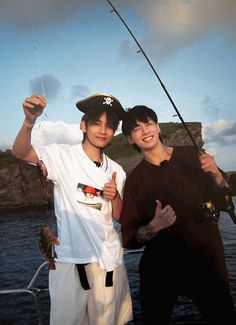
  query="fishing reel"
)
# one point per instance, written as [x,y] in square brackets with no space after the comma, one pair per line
[209,211]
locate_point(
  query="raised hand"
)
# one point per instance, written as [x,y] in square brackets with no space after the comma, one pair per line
[110,189]
[208,164]
[33,107]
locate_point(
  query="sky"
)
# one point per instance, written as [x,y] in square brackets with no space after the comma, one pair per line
[68,50]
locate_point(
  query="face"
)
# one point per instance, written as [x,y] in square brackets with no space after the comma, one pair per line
[99,133]
[145,135]
[89,195]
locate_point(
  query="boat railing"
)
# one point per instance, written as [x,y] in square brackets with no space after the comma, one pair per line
[33,290]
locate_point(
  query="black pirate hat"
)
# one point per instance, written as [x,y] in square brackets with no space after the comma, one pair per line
[101,100]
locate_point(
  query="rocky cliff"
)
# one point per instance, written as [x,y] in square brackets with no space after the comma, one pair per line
[20,184]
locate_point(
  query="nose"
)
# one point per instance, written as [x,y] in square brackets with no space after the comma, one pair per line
[144,129]
[103,128]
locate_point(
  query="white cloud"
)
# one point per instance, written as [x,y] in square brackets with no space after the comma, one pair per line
[221,131]
[175,24]
[47,132]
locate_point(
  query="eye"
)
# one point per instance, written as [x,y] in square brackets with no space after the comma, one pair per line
[137,128]
[96,123]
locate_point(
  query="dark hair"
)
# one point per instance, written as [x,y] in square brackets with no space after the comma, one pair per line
[138,113]
[92,115]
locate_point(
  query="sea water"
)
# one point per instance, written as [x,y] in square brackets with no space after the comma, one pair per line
[20,258]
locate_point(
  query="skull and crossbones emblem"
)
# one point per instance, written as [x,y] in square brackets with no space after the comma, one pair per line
[108,101]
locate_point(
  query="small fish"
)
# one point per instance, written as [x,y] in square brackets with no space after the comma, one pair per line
[46,245]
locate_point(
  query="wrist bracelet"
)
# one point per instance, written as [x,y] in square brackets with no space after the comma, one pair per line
[28,125]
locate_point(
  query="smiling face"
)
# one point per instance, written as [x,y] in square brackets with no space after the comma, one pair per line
[141,128]
[99,133]
[145,135]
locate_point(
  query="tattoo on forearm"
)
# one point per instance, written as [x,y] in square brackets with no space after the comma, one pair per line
[145,233]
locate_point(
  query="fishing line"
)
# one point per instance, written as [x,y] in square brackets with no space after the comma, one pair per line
[37,61]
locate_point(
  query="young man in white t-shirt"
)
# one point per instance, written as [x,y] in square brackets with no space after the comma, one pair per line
[89,283]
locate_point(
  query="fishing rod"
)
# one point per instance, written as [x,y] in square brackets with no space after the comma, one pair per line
[229,204]
[156,74]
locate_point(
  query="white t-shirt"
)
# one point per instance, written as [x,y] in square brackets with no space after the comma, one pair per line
[84,218]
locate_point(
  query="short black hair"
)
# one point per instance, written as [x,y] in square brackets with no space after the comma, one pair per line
[138,113]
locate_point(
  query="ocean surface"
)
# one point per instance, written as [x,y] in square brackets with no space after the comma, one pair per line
[20,258]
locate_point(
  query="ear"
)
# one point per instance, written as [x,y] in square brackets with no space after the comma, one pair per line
[83,126]
[130,140]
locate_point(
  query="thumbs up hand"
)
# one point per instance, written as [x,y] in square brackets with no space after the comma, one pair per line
[164,217]
[110,190]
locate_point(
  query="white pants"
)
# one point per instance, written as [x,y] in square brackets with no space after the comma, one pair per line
[100,305]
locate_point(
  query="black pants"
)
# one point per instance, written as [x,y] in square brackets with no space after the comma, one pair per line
[167,272]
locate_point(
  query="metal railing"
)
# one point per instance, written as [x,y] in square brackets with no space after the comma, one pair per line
[31,290]
[34,291]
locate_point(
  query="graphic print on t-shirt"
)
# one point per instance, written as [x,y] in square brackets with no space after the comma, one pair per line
[90,196]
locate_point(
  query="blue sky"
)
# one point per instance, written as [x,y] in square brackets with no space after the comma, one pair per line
[72,49]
